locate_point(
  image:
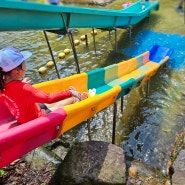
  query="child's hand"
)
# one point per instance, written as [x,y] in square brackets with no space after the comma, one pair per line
[27,80]
[76,94]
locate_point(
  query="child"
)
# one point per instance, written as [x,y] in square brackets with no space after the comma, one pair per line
[20,97]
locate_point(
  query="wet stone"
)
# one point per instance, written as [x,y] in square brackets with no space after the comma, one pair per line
[178,177]
[93,162]
[133,172]
[146,175]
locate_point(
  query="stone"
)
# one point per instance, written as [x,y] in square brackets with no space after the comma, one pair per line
[133,172]
[167,182]
[147,175]
[93,162]
[178,178]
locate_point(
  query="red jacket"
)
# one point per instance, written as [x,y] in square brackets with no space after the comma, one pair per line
[22,98]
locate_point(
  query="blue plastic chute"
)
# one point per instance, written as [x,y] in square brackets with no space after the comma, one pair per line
[157,53]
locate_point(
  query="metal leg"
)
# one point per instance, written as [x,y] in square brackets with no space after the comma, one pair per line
[130,32]
[147,87]
[109,34]
[70,36]
[122,98]
[116,47]
[86,40]
[74,50]
[94,40]
[51,53]
[89,129]
[114,122]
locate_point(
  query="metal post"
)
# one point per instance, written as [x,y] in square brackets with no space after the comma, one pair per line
[89,129]
[74,50]
[51,53]
[116,47]
[147,87]
[122,98]
[86,40]
[184,12]
[109,34]
[114,122]
[66,24]
[130,32]
[94,40]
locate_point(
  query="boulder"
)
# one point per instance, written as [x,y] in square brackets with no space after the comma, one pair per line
[178,177]
[178,155]
[93,162]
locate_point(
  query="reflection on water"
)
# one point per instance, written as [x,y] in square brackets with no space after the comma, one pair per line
[148,125]
[159,117]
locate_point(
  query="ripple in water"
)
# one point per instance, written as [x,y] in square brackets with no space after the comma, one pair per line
[161,117]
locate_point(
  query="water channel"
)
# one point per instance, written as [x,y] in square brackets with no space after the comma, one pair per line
[148,125]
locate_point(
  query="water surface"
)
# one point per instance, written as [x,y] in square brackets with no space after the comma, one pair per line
[147,127]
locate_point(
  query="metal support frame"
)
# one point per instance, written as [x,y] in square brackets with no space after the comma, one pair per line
[184,11]
[114,122]
[130,32]
[89,129]
[70,36]
[122,99]
[116,45]
[109,33]
[147,87]
[51,53]
[109,30]
[94,41]
[86,40]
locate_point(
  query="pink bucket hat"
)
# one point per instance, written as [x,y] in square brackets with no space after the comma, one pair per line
[10,58]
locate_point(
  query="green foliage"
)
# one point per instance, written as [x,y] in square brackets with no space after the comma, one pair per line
[173,158]
[164,177]
[2,172]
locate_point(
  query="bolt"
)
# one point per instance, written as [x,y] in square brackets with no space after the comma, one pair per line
[93,108]
[57,127]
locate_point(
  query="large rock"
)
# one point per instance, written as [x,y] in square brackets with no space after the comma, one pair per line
[178,153]
[146,175]
[178,177]
[93,162]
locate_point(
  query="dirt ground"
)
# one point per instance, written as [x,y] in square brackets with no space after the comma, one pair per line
[20,172]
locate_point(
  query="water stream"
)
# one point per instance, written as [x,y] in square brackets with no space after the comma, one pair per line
[147,127]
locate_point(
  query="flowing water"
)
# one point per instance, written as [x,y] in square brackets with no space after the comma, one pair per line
[147,127]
